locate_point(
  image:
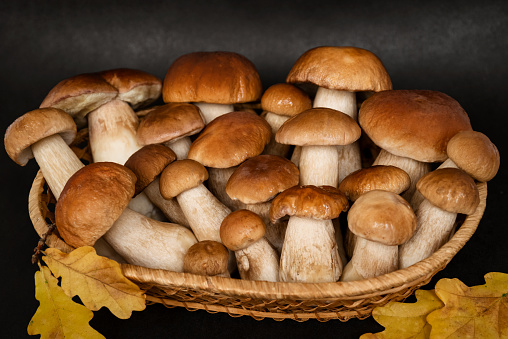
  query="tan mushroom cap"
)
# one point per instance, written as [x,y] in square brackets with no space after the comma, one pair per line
[285,99]
[92,200]
[450,189]
[180,176]
[206,257]
[379,177]
[416,124]
[342,68]
[240,229]
[149,162]
[474,153]
[34,126]
[260,178]
[212,77]
[230,139]
[169,122]
[319,126]
[323,203]
[383,217]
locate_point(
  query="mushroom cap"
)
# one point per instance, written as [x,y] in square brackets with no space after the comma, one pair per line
[180,176]
[382,216]
[212,77]
[285,99]
[319,126]
[450,189]
[240,229]
[323,203]
[379,177]
[148,162]
[415,124]
[260,178]
[474,153]
[169,122]
[230,139]
[34,126]
[206,257]
[92,200]
[341,68]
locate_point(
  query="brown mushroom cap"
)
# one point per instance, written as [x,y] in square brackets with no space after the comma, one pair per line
[34,126]
[341,68]
[416,124]
[474,153]
[230,139]
[380,177]
[169,122]
[319,126]
[260,178]
[180,176]
[212,77]
[450,189]
[240,229]
[148,162]
[323,203]
[382,216]
[206,257]
[285,99]
[92,200]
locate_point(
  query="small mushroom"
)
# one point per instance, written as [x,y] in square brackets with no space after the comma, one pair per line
[208,258]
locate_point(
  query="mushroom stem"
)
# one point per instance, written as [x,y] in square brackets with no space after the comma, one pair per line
[432,231]
[217,181]
[180,146]
[259,261]
[309,253]
[275,232]
[212,111]
[318,166]
[273,147]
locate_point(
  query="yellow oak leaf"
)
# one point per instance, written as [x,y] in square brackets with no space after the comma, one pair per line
[405,320]
[98,281]
[472,312]
[58,316]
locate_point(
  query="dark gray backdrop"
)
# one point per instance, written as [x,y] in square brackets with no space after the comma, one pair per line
[457,47]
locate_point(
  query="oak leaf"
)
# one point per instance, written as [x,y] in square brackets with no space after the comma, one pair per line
[58,316]
[98,281]
[472,312]
[405,320]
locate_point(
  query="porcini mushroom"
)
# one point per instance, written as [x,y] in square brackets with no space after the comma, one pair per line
[208,258]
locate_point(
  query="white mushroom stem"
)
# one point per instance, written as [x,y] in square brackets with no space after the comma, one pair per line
[259,261]
[273,147]
[370,259]
[180,146]
[310,252]
[217,181]
[150,243]
[212,111]
[319,166]
[275,232]
[432,231]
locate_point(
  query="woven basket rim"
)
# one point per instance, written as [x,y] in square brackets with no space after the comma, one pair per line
[385,284]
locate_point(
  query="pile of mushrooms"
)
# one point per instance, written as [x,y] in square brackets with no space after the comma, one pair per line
[204,173]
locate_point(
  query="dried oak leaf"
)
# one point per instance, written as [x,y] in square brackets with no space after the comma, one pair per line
[472,312]
[58,316]
[98,281]
[405,320]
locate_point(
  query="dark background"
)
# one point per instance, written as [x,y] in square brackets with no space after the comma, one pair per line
[457,47]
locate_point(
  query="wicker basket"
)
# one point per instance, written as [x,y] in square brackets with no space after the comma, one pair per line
[323,301]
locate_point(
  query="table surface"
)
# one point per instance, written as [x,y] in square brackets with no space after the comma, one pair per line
[458,50]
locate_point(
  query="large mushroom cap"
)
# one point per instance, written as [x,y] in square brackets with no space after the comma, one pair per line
[260,178]
[382,216]
[92,200]
[180,176]
[230,139]
[34,126]
[415,124]
[319,126]
[285,99]
[169,122]
[342,68]
[323,203]
[240,229]
[212,77]
[474,153]
[450,189]
[206,257]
